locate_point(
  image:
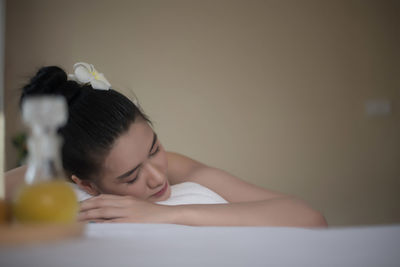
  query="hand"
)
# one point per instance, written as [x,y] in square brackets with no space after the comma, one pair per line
[113,208]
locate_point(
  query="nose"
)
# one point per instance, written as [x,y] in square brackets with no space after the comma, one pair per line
[154,177]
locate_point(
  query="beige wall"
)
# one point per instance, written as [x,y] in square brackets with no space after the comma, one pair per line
[272,91]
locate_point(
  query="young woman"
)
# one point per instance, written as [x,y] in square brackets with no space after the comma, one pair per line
[111,152]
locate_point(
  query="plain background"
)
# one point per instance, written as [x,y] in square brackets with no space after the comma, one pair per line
[272,91]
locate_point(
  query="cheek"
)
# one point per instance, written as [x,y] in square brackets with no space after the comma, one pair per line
[138,189]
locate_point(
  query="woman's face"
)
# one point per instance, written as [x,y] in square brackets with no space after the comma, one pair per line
[136,166]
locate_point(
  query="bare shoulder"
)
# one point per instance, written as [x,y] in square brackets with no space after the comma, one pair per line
[180,167]
[184,169]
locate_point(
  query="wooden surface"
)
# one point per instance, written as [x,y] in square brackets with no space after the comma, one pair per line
[15,234]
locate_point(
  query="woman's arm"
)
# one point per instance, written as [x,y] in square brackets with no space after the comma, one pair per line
[249,204]
[289,212]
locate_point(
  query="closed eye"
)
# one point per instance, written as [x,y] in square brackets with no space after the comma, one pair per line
[133,180]
[155,152]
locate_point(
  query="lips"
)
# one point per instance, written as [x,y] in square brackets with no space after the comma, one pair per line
[162,191]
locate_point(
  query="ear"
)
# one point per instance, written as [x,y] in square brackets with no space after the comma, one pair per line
[86,185]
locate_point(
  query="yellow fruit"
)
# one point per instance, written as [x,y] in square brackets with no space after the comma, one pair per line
[53,201]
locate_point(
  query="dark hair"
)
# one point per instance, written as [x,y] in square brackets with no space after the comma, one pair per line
[96,119]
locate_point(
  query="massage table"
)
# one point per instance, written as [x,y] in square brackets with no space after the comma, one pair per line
[130,244]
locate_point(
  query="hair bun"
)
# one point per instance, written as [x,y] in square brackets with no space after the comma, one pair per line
[47,80]
[54,81]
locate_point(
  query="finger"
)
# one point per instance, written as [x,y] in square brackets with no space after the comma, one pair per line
[105,196]
[100,202]
[101,214]
[94,221]
[108,195]
[111,221]
[97,221]
[118,220]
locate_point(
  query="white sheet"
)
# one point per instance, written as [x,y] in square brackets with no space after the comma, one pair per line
[175,245]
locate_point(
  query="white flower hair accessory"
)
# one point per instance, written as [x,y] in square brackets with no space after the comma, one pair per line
[86,73]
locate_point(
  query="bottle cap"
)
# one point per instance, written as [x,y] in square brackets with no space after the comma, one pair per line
[48,112]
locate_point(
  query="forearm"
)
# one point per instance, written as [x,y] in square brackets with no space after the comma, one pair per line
[283,211]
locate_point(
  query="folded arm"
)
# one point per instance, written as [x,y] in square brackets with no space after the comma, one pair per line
[248,204]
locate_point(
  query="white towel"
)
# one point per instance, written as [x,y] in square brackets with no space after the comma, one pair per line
[192,193]
[181,194]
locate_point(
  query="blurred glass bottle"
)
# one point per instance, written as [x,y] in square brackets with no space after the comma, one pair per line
[46,195]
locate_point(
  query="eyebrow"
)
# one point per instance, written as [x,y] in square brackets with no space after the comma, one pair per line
[128,173]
